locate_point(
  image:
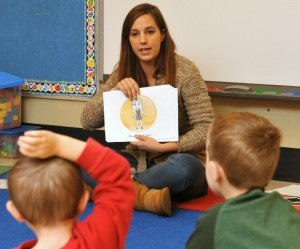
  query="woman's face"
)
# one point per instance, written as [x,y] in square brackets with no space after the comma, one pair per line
[145,39]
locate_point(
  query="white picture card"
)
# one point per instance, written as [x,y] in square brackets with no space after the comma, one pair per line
[153,114]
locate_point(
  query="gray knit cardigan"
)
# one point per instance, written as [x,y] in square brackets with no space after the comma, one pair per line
[195,112]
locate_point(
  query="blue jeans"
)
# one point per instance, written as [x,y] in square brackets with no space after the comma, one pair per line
[184,174]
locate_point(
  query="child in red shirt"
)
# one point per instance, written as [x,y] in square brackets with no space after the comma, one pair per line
[47,192]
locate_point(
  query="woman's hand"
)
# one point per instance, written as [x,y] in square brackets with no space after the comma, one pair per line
[149,144]
[129,87]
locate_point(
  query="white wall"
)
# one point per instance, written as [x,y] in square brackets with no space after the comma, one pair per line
[245,41]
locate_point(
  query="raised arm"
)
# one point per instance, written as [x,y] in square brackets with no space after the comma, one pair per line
[108,224]
[44,144]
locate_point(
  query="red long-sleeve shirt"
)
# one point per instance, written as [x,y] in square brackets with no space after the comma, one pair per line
[107,226]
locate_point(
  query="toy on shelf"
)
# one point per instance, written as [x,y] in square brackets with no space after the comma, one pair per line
[10,101]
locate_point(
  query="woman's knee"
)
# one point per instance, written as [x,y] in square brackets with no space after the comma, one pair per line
[188,164]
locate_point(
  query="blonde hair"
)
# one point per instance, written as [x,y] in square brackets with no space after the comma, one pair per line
[247,146]
[46,191]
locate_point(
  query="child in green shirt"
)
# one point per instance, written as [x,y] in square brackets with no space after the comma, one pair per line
[242,155]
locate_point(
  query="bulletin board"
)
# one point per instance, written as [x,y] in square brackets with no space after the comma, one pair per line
[50,44]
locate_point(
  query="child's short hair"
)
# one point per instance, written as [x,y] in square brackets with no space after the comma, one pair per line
[247,146]
[46,191]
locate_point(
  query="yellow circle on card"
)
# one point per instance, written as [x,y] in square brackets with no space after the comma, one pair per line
[138,115]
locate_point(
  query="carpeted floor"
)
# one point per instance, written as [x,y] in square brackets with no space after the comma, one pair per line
[202,203]
[150,231]
[147,231]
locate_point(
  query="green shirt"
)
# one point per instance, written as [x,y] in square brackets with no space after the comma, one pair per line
[253,220]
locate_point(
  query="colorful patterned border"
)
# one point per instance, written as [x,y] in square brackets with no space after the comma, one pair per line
[76,88]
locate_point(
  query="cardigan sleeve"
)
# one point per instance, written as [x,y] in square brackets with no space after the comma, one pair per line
[92,116]
[194,108]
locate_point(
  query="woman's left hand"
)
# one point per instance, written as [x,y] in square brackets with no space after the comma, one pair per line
[147,143]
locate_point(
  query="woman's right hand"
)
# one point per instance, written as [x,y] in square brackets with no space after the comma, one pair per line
[129,87]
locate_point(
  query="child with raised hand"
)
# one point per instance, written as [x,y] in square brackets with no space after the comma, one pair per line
[242,155]
[47,192]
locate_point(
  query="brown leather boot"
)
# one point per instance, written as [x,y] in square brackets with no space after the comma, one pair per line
[156,201]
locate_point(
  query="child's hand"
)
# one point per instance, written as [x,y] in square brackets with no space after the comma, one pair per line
[43,144]
[39,143]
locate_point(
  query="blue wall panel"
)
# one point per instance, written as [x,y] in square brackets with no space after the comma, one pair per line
[43,39]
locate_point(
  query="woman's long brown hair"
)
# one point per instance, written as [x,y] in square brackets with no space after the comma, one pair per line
[129,64]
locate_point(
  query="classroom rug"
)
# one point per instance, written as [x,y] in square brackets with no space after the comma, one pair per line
[4,169]
[297,207]
[202,203]
[147,230]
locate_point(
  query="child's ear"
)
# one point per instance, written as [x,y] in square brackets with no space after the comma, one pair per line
[11,208]
[217,171]
[83,202]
